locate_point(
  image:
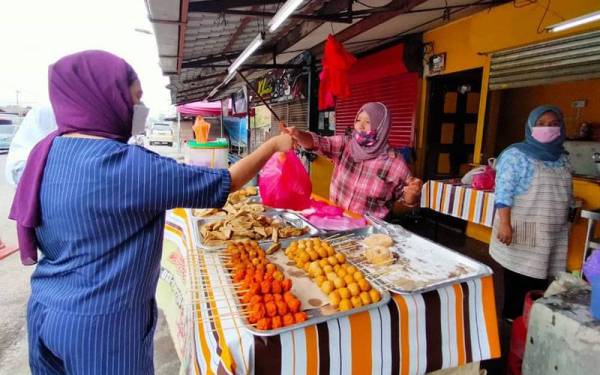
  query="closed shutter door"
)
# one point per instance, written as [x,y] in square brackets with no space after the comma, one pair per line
[566,59]
[398,92]
[292,113]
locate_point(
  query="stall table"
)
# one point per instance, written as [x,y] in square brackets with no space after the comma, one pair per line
[475,206]
[412,334]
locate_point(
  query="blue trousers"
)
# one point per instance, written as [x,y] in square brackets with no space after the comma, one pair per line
[67,343]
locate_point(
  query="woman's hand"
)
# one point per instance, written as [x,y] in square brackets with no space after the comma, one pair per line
[283,143]
[290,130]
[504,233]
[412,191]
[303,138]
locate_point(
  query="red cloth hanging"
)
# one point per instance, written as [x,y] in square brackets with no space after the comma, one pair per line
[334,76]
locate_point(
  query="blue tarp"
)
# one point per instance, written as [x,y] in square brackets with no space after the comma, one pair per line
[237,130]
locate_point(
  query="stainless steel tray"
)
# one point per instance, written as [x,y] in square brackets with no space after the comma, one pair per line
[420,265]
[287,217]
[315,315]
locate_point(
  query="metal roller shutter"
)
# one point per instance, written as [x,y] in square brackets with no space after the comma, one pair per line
[293,113]
[398,92]
[566,59]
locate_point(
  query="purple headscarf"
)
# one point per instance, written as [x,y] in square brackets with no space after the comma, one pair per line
[379,117]
[89,92]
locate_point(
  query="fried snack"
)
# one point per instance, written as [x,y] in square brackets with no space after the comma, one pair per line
[288,320]
[264,324]
[300,317]
[378,239]
[379,255]
[247,225]
[276,322]
[236,202]
[344,285]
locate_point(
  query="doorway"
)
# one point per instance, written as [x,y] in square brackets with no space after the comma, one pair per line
[451,123]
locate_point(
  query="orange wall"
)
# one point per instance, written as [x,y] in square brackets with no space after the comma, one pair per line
[517,103]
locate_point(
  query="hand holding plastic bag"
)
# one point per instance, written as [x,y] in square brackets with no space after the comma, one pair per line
[284,183]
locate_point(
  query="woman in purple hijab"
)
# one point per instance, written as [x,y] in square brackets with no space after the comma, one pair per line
[368,175]
[95,207]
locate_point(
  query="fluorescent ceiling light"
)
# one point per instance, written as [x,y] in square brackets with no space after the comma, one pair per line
[214,91]
[253,46]
[574,22]
[283,13]
[229,78]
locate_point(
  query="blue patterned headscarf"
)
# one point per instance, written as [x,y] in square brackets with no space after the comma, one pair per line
[543,151]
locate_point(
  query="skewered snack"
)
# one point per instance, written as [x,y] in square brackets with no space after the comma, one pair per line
[377,249]
[377,239]
[236,202]
[263,289]
[246,225]
[379,255]
[342,282]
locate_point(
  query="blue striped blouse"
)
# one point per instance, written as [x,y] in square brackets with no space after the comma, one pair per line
[103,209]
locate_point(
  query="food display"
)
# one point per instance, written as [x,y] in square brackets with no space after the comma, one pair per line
[264,291]
[378,249]
[237,204]
[247,226]
[344,284]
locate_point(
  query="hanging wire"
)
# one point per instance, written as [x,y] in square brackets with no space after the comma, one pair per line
[543,17]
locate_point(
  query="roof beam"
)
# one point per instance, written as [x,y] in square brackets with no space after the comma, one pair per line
[336,17]
[370,22]
[219,6]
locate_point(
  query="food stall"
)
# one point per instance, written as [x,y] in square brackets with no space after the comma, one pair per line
[424,307]
[399,304]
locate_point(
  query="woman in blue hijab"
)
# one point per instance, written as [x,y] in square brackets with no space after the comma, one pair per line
[533,194]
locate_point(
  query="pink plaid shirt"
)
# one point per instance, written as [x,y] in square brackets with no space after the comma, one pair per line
[371,186]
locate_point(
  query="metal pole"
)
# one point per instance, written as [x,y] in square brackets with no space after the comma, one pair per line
[178,132]
[259,96]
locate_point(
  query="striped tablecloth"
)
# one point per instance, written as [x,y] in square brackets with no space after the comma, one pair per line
[472,205]
[413,334]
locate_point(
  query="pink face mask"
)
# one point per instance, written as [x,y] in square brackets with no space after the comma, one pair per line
[545,134]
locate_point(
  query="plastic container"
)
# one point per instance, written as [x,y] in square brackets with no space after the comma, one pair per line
[211,154]
[595,305]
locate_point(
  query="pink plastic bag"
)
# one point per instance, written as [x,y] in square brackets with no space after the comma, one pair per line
[328,217]
[284,183]
[485,180]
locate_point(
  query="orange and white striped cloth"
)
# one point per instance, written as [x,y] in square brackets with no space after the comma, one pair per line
[413,334]
[463,202]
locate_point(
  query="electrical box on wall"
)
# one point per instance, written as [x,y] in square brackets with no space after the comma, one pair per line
[579,103]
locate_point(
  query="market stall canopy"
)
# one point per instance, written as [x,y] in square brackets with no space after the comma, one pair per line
[198,40]
[206,109]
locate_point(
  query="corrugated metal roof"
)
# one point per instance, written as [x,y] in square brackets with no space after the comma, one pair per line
[186,37]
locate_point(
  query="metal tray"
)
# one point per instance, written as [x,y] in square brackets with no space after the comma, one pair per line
[315,315]
[287,217]
[420,265]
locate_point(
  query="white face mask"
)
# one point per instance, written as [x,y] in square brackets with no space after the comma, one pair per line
[138,123]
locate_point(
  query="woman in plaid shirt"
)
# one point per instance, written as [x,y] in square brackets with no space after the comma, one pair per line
[368,175]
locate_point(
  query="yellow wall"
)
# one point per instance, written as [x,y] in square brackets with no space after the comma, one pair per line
[320,175]
[468,41]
